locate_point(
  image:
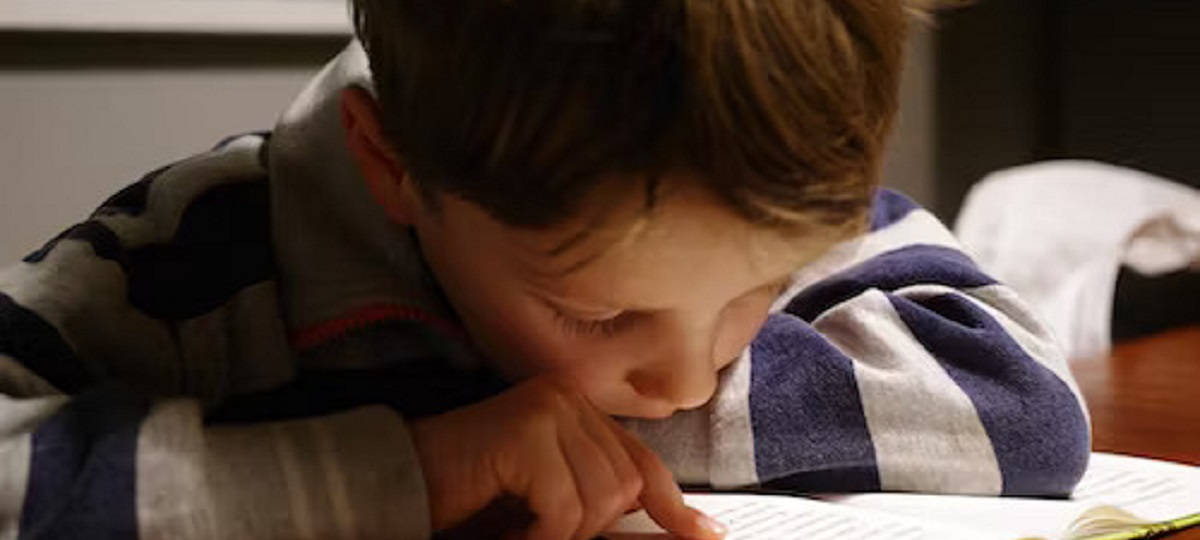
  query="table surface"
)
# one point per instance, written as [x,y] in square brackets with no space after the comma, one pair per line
[1144,398]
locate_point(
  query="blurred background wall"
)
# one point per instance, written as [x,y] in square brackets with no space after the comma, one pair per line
[83,114]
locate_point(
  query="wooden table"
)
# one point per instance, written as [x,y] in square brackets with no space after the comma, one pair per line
[1144,399]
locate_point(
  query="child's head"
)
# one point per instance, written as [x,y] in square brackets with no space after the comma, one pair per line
[616,189]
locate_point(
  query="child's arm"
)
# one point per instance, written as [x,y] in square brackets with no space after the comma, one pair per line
[114,299]
[894,364]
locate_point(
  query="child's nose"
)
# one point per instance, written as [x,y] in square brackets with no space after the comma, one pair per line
[684,376]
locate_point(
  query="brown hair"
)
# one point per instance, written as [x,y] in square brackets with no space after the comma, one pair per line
[780,107]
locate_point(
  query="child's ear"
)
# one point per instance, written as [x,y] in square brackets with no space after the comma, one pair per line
[381,169]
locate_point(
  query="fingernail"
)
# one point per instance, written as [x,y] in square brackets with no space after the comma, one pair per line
[711,525]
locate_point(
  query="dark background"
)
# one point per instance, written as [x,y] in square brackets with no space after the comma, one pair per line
[1023,80]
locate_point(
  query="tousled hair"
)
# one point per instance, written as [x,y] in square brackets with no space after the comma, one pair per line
[780,108]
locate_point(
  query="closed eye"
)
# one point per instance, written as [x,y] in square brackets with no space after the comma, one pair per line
[607,327]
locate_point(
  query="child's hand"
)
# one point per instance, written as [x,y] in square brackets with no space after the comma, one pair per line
[575,468]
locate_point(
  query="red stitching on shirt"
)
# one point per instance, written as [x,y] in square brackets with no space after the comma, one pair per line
[316,334]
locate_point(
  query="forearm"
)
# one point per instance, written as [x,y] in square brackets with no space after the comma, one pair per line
[932,394]
[109,464]
[892,363]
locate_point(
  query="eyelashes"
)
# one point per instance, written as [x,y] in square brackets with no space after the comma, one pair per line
[604,327]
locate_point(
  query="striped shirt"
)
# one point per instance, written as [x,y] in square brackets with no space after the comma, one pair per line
[229,348]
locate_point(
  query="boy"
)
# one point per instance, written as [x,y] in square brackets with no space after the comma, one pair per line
[444,283]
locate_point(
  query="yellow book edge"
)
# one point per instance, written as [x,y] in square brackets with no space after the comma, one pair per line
[1106,522]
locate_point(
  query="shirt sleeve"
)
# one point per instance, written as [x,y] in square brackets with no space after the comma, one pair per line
[118,336]
[893,363]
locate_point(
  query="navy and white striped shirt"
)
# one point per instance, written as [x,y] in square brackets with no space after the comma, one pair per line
[228,349]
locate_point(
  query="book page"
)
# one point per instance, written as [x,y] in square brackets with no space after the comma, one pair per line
[1009,518]
[775,517]
[1153,490]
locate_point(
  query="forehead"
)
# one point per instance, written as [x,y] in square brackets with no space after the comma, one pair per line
[688,247]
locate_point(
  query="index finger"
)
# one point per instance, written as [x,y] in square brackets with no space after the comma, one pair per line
[661,497]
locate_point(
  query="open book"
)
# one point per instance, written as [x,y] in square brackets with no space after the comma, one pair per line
[1116,493]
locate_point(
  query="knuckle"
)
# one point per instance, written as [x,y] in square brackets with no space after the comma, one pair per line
[612,503]
[625,471]
[631,488]
[540,422]
[570,515]
[639,453]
